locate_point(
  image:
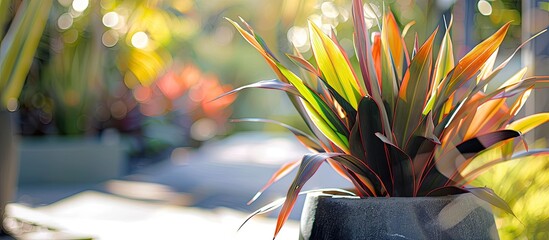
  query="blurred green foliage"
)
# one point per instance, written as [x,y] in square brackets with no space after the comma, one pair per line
[21,25]
[524,184]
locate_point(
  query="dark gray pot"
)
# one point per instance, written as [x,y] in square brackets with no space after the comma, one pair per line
[8,162]
[462,216]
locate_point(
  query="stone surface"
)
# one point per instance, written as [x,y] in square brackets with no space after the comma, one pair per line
[451,217]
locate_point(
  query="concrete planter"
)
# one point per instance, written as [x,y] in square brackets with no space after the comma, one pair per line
[460,216]
[8,162]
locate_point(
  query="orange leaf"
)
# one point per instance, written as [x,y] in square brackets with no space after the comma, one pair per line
[469,65]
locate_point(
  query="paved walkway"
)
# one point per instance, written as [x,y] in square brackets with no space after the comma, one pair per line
[185,196]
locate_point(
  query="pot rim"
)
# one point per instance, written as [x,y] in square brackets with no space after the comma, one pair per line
[336,196]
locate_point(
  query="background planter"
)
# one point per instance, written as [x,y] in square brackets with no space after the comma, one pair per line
[460,216]
[8,162]
[69,160]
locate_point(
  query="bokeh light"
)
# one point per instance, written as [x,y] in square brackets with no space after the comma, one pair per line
[64,21]
[344,14]
[316,19]
[110,19]
[298,36]
[70,36]
[12,105]
[203,129]
[110,38]
[484,7]
[80,5]
[142,94]
[224,35]
[329,9]
[119,110]
[140,40]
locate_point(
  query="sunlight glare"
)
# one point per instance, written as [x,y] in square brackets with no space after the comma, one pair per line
[329,9]
[110,19]
[80,5]
[298,36]
[140,40]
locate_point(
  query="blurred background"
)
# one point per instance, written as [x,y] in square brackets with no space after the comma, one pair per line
[117,102]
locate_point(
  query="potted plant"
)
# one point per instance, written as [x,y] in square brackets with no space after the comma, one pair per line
[403,128]
[17,48]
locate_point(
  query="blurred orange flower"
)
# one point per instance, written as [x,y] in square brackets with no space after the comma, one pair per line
[186,88]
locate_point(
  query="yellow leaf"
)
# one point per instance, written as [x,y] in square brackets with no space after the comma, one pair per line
[333,65]
[526,124]
[486,69]
[515,78]
[338,139]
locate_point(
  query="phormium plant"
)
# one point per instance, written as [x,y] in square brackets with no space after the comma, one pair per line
[409,121]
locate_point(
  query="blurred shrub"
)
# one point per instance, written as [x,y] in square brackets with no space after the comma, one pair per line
[524,184]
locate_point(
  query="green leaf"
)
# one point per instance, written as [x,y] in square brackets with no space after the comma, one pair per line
[431,181]
[333,100]
[19,45]
[413,94]
[345,111]
[389,81]
[337,138]
[421,152]
[368,179]
[314,110]
[487,67]
[443,65]
[402,170]
[366,146]
[323,117]
[4,14]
